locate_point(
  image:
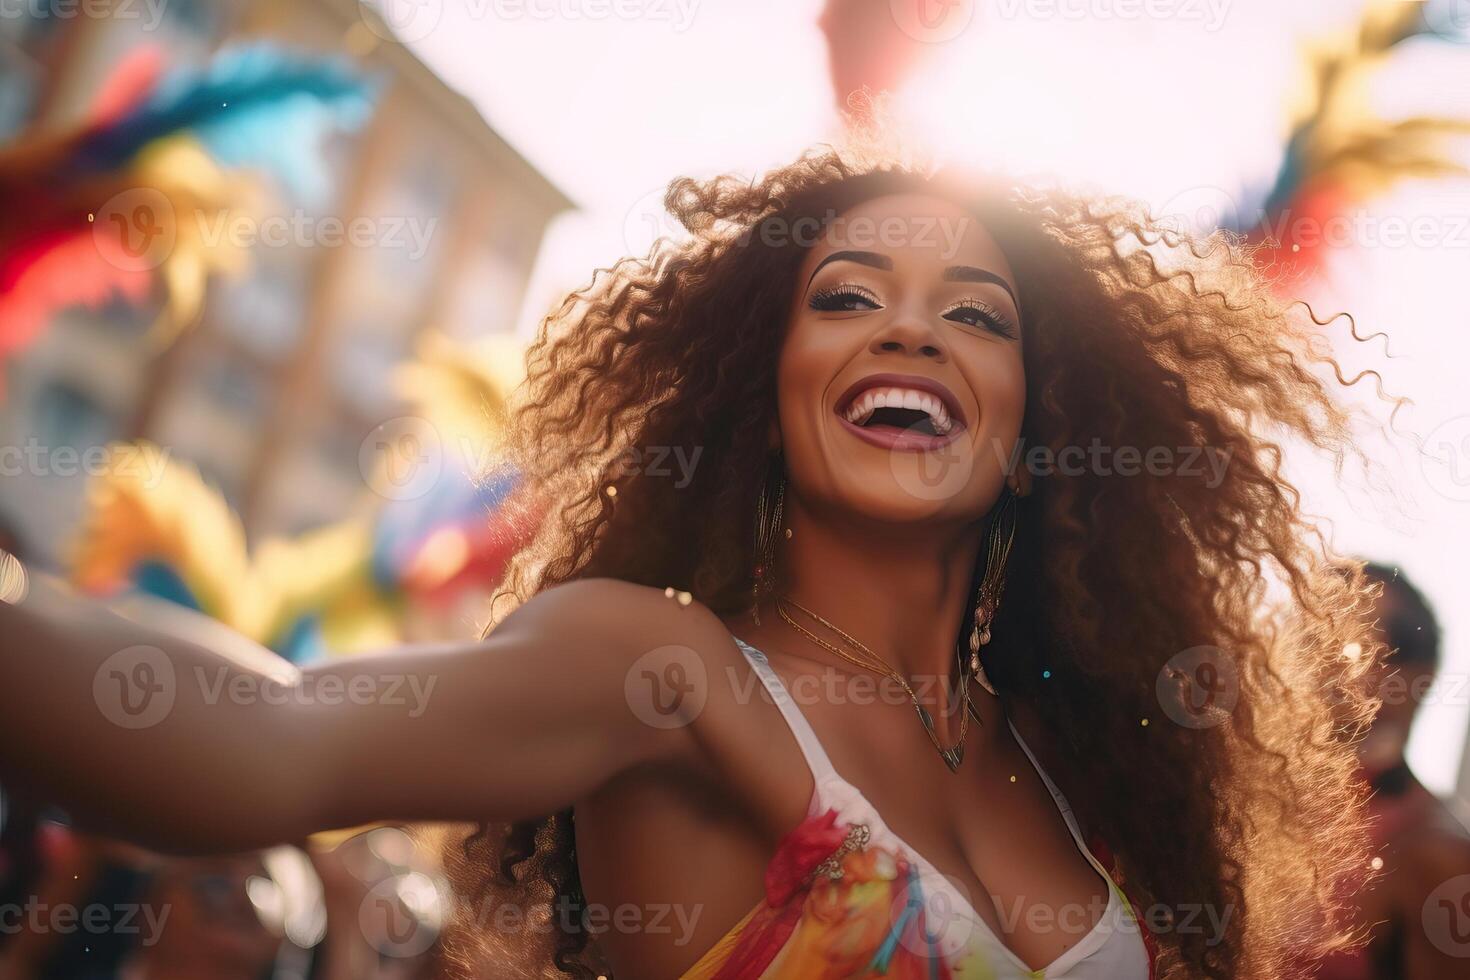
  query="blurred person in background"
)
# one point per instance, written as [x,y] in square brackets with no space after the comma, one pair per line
[211,924]
[860,411]
[1421,843]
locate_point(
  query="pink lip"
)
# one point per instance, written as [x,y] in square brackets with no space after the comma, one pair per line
[902,440]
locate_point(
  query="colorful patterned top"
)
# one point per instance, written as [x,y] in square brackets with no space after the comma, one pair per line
[847,898]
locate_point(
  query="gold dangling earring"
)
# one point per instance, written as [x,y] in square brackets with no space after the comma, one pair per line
[768,513]
[987,598]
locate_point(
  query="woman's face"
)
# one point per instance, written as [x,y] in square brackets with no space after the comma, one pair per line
[900,387]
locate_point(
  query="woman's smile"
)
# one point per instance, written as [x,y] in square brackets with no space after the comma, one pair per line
[901,412]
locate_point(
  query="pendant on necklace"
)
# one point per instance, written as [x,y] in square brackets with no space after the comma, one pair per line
[952,757]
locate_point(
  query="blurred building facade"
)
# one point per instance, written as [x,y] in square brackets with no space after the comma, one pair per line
[274,392]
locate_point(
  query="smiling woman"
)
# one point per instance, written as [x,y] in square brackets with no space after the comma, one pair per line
[856,694]
[873,383]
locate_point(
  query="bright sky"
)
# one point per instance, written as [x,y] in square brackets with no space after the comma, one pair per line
[1165,108]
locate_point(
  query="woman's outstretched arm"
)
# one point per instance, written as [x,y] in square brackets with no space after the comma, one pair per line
[150,736]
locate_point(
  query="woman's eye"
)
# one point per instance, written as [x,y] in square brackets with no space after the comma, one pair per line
[976,315]
[843,299]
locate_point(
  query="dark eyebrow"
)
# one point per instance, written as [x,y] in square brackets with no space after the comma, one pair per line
[968,273]
[865,258]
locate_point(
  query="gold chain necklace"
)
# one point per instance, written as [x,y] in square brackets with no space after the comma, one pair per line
[952,756]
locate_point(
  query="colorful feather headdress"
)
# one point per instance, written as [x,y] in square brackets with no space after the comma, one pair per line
[116,207]
[378,577]
[1340,153]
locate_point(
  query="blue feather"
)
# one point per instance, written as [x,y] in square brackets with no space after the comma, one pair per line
[254,105]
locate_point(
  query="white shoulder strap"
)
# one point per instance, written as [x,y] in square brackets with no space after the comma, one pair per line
[811,747]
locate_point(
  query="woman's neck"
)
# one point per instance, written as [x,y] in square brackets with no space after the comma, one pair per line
[901,591]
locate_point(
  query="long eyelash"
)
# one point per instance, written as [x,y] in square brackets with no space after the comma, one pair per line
[997,320]
[829,293]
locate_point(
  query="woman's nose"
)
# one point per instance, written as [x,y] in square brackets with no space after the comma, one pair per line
[909,334]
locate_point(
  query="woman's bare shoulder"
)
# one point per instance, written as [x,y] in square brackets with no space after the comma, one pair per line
[637,620]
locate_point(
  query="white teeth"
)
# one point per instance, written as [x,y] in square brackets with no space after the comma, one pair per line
[864,405]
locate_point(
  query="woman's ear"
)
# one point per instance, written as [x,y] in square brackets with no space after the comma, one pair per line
[1019,479]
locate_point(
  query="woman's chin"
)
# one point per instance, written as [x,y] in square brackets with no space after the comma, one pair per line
[888,502]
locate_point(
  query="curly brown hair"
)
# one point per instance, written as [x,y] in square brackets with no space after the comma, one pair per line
[1136,336]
